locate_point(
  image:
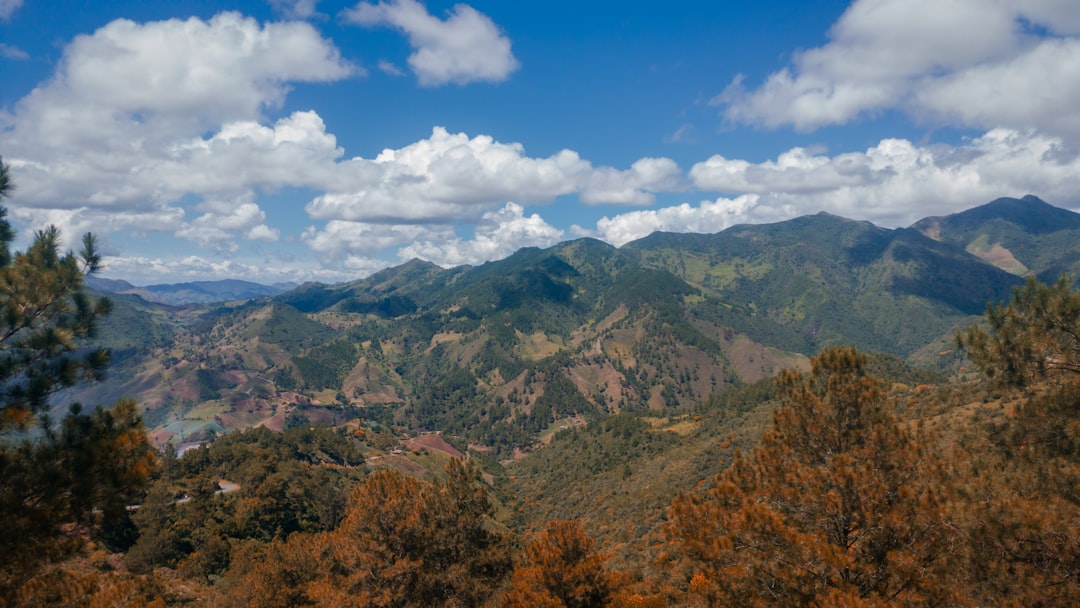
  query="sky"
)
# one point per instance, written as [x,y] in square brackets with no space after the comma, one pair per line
[317,140]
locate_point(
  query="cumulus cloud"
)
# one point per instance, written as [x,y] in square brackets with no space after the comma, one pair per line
[894,183]
[119,129]
[228,68]
[1008,63]
[707,217]
[221,219]
[8,8]
[497,235]
[295,151]
[126,138]
[75,222]
[340,239]
[452,176]
[143,270]
[465,47]
[634,186]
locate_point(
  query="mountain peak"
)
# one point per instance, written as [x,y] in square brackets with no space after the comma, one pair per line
[1030,213]
[1023,236]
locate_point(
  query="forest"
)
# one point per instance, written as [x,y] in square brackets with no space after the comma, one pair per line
[855,481]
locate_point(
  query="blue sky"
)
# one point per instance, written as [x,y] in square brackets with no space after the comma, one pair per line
[293,140]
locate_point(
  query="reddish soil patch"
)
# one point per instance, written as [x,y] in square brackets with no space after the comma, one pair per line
[160,437]
[295,398]
[276,422]
[184,389]
[326,415]
[404,465]
[433,441]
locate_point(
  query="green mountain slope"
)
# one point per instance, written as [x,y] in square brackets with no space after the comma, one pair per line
[504,354]
[1022,236]
[819,280]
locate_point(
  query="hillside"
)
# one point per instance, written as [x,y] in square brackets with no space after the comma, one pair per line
[502,354]
[620,414]
[1022,236]
[819,280]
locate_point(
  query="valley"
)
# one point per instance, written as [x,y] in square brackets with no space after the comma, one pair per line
[495,354]
[630,393]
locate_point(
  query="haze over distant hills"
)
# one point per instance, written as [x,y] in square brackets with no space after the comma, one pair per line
[497,353]
[197,292]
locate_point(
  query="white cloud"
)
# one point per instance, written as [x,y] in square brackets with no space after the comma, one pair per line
[895,183]
[797,170]
[295,151]
[452,176]
[707,217]
[119,128]
[497,235]
[141,270]
[193,72]
[160,127]
[1038,88]
[8,8]
[968,62]
[632,187]
[339,239]
[221,219]
[466,47]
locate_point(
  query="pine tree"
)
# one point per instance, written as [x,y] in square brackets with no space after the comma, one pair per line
[75,479]
[402,543]
[78,476]
[1035,334]
[838,505]
[1024,524]
[44,314]
[563,569]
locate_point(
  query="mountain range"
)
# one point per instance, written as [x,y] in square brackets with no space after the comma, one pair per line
[201,292]
[504,354]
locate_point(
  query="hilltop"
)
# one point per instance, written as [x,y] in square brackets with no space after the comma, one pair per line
[498,354]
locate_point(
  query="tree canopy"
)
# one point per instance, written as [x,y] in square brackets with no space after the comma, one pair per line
[44,314]
[68,481]
[1035,334]
[837,504]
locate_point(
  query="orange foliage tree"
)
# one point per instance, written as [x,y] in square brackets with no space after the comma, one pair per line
[402,542]
[838,505]
[1024,520]
[563,570]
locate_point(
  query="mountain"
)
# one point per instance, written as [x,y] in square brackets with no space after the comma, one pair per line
[503,354]
[198,292]
[819,280]
[108,285]
[1026,236]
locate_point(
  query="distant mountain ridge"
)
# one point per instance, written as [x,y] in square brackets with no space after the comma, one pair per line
[498,353]
[196,292]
